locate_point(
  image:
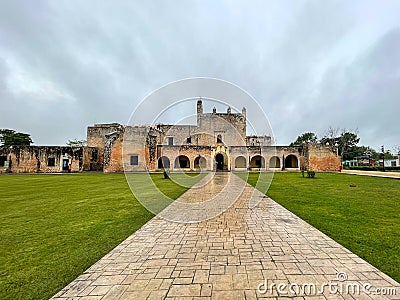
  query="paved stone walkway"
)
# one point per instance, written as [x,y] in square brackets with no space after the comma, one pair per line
[373,173]
[242,253]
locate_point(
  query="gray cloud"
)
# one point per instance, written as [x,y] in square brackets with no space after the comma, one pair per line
[366,91]
[310,64]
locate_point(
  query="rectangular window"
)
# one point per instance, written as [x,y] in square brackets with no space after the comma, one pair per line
[189,140]
[51,162]
[393,163]
[170,141]
[134,160]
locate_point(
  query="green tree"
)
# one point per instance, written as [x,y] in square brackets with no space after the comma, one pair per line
[347,141]
[362,151]
[305,137]
[343,142]
[389,155]
[9,137]
[76,143]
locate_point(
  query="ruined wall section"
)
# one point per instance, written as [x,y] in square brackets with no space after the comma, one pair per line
[137,142]
[92,160]
[179,133]
[113,151]
[97,134]
[321,158]
[262,140]
[97,137]
[41,159]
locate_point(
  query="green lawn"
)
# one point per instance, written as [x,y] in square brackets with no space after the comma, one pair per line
[53,227]
[365,219]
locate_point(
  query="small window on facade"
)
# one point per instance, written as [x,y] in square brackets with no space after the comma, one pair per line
[219,138]
[51,162]
[189,140]
[170,141]
[393,163]
[134,160]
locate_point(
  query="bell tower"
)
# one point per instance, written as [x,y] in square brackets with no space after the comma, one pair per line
[199,107]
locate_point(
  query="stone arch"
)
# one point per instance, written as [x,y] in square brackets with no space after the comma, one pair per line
[221,161]
[182,162]
[163,163]
[240,162]
[257,162]
[291,161]
[200,163]
[274,162]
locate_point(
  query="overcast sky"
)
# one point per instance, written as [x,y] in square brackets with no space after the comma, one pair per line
[65,65]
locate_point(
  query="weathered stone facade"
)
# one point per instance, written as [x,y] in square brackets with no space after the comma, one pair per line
[217,142]
[46,159]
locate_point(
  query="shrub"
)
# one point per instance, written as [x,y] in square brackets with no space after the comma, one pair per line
[310,174]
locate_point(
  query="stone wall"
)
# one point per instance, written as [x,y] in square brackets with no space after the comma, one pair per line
[97,135]
[93,159]
[321,158]
[41,159]
[135,141]
[231,127]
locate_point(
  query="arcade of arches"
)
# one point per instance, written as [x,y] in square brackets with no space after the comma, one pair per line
[220,162]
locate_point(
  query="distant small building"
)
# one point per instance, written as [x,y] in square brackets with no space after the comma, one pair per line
[390,162]
[350,163]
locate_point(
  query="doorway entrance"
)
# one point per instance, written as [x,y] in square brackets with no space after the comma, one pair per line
[65,164]
[219,158]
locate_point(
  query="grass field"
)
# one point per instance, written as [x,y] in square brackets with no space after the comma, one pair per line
[53,227]
[365,219]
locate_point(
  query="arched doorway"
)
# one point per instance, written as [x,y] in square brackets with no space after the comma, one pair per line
[200,163]
[182,162]
[240,162]
[220,161]
[257,162]
[163,163]
[291,161]
[274,162]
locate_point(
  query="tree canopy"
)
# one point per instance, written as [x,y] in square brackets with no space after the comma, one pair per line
[362,151]
[76,143]
[343,139]
[305,137]
[9,137]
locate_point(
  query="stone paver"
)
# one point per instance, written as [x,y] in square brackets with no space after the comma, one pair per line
[243,253]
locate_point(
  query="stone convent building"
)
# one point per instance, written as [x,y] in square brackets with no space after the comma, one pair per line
[217,142]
